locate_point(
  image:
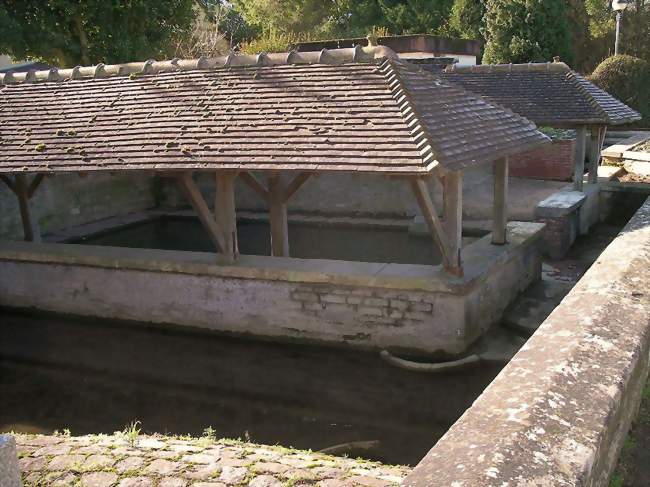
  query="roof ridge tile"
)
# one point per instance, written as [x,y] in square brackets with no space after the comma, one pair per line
[355,54]
[410,112]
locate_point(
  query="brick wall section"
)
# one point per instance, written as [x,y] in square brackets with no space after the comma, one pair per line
[559,234]
[554,161]
[371,306]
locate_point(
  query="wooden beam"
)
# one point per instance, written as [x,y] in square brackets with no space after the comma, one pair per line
[579,165]
[452,197]
[278,217]
[10,184]
[224,210]
[254,184]
[30,224]
[36,182]
[421,191]
[500,204]
[295,184]
[197,201]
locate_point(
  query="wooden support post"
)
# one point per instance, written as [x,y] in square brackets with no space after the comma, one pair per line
[500,204]
[453,213]
[278,217]
[224,211]
[194,196]
[579,165]
[450,261]
[594,154]
[30,224]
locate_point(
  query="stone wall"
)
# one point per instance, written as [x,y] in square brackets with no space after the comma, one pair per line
[559,412]
[67,200]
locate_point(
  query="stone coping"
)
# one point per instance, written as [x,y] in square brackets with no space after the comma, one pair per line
[128,460]
[558,413]
[560,204]
[478,258]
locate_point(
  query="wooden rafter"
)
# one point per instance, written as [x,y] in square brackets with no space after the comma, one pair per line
[24,191]
[194,196]
[449,259]
[277,195]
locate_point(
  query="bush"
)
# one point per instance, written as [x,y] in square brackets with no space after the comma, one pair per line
[627,78]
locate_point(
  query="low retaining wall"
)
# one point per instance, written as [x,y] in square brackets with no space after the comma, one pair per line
[411,308]
[553,161]
[559,412]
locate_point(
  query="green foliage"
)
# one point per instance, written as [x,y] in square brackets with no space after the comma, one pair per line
[273,42]
[519,31]
[466,19]
[72,32]
[627,78]
[415,16]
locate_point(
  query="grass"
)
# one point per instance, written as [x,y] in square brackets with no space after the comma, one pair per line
[130,433]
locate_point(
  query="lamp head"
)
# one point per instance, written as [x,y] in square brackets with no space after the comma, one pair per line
[619,5]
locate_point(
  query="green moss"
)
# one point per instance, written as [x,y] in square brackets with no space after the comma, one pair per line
[40,147]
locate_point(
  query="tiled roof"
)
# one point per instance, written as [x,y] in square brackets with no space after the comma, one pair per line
[546,93]
[343,110]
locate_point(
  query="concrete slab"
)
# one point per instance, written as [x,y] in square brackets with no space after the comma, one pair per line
[560,204]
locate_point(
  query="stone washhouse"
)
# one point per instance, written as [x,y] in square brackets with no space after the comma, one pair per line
[273,121]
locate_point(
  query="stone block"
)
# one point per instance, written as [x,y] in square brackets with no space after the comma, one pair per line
[560,204]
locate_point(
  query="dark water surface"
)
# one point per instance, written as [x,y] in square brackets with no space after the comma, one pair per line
[306,241]
[92,376]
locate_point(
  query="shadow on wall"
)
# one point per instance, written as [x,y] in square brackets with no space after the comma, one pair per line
[66,200]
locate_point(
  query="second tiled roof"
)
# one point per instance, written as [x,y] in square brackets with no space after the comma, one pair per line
[546,93]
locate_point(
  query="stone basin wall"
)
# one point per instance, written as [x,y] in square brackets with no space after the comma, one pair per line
[559,412]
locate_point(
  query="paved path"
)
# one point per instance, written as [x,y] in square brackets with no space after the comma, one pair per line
[156,461]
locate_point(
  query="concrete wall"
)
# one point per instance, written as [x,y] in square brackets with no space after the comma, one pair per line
[363,194]
[559,412]
[67,200]
[400,307]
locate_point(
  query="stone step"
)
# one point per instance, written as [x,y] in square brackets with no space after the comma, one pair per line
[534,306]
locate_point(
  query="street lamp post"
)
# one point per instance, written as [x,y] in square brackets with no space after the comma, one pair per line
[618,6]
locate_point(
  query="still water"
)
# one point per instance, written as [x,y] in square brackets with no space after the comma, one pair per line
[92,376]
[306,241]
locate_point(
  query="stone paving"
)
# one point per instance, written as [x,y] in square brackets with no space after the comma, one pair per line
[124,460]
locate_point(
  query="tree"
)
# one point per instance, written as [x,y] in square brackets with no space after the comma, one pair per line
[467,19]
[627,78]
[415,16]
[67,33]
[635,29]
[519,31]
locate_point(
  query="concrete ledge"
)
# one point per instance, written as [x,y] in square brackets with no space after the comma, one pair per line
[560,204]
[559,412]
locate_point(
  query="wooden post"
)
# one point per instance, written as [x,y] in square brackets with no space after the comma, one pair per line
[579,167]
[453,214]
[24,191]
[594,154]
[450,260]
[500,205]
[278,217]
[225,214]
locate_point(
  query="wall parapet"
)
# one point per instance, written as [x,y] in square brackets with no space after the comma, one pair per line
[559,412]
